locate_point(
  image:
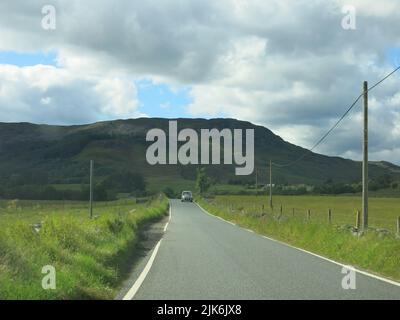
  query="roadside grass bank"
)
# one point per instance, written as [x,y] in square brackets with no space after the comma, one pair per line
[375,252]
[89,255]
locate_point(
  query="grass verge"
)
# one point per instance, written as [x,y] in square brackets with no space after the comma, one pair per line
[87,254]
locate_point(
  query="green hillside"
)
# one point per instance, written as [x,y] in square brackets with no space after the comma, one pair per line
[44,154]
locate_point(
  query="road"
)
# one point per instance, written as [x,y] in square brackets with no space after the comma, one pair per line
[203,257]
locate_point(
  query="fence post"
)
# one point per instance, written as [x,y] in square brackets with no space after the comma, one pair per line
[293,212]
[91,190]
[398,226]
[308,214]
[329,216]
[358,220]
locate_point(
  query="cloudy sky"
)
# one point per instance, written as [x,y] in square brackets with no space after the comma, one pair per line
[288,65]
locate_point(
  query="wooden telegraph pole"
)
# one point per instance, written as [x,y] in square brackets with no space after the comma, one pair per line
[256,182]
[365,159]
[270,184]
[91,190]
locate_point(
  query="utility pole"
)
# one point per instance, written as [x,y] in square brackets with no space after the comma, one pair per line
[270,184]
[365,159]
[256,182]
[91,190]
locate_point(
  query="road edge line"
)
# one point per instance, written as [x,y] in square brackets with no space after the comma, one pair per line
[169,219]
[133,290]
[136,286]
[305,251]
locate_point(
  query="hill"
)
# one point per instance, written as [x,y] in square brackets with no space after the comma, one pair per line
[49,154]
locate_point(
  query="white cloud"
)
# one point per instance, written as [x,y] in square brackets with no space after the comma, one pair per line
[285,64]
[118,96]
[46,94]
[45,100]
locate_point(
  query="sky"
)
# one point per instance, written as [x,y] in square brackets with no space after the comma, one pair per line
[292,66]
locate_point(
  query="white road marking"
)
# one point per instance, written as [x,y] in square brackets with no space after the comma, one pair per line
[214,216]
[311,253]
[169,219]
[132,291]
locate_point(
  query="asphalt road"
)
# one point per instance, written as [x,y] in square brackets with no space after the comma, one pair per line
[203,257]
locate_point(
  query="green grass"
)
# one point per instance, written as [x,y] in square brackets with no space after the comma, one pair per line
[227,189]
[383,212]
[371,251]
[155,184]
[90,256]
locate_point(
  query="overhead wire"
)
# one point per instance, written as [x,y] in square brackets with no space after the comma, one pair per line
[335,124]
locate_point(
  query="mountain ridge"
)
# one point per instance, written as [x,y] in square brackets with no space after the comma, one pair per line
[62,152]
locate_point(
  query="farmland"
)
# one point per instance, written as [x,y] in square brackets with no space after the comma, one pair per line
[89,255]
[377,250]
[383,212]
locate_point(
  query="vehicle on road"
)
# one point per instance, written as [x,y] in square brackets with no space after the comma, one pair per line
[187,196]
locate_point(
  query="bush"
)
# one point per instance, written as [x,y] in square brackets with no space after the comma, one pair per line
[335,188]
[169,192]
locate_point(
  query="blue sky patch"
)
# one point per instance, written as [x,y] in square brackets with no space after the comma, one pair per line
[28,59]
[159,100]
[393,55]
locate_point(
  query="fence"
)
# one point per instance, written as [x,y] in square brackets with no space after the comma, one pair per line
[330,210]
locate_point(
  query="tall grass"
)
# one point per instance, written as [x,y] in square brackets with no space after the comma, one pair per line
[383,212]
[372,251]
[88,254]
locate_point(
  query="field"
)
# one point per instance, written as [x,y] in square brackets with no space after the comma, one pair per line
[376,250]
[155,184]
[383,212]
[90,256]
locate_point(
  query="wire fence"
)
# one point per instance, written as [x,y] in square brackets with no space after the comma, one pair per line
[338,211]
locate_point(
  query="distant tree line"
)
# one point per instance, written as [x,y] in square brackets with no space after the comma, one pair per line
[337,188]
[384,181]
[35,192]
[34,186]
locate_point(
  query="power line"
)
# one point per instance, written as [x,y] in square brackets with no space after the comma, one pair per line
[335,125]
[383,79]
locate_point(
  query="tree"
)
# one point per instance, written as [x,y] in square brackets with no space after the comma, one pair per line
[169,192]
[384,180]
[125,182]
[100,193]
[203,183]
